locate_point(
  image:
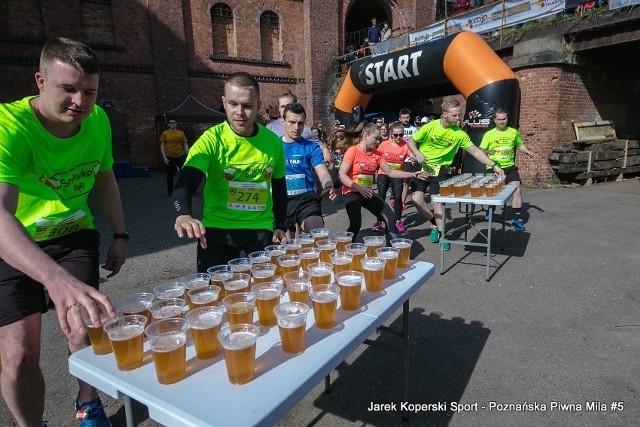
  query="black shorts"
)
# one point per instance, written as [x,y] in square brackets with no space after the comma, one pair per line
[432,185]
[301,207]
[224,245]
[511,174]
[21,296]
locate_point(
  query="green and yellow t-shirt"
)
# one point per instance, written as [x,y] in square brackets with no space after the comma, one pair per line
[239,171]
[54,175]
[174,141]
[439,145]
[503,143]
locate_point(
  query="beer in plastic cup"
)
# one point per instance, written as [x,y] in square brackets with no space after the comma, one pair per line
[267,297]
[306,240]
[289,263]
[291,246]
[446,189]
[274,252]
[125,334]
[320,233]
[220,273]
[239,344]
[295,276]
[321,273]
[341,261]
[168,341]
[204,323]
[390,256]
[343,238]
[240,265]
[167,308]
[326,248]
[240,307]
[259,257]
[477,189]
[308,256]
[372,243]
[350,284]
[405,250]
[299,290]
[237,282]
[193,281]
[373,273]
[292,321]
[138,303]
[324,299]
[169,290]
[357,251]
[203,296]
[262,273]
[98,337]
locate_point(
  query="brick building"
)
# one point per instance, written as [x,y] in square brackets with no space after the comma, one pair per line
[154,54]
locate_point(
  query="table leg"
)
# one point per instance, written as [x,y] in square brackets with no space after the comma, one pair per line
[504,208]
[444,232]
[489,243]
[327,384]
[405,351]
[130,411]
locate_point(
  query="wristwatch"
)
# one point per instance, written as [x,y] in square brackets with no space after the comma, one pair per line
[493,166]
[124,236]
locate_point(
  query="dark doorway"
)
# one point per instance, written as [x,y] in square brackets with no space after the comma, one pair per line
[359,19]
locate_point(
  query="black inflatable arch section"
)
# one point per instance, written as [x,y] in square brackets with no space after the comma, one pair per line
[464,59]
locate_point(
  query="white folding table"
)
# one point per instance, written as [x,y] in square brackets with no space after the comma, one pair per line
[500,199]
[206,398]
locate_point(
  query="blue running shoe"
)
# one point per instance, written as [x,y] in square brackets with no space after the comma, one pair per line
[446,246]
[519,225]
[91,414]
[434,237]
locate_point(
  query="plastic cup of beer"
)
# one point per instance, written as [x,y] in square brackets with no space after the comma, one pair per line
[350,284]
[203,296]
[458,189]
[274,252]
[373,273]
[237,282]
[404,245]
[138,303]
[324,299]
[343,238]
[291,246]
[259,257]
[204,323]
[125,334]
[321,273]
[167,308]
[490,189]
[372,243]
[390,256]
[306,240]
[169,290]
[446,189]
[308,256]
[267,297]
[168,342]
[341,261]
[326,248]
[477,189]
[196,280]
[296,275]
[262,273]
[299,290]
[99,339]
[240,307]
[220,273]
[239,344]
[240,265]
[292,324]
[289,263]
[357,251]
[320,233]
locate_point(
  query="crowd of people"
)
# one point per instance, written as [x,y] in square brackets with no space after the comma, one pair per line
[263,184]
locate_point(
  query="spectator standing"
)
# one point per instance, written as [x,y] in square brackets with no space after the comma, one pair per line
[373,32]
[174,149]
[385,33]
[55,150]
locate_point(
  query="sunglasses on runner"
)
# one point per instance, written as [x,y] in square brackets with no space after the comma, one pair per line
[398,135]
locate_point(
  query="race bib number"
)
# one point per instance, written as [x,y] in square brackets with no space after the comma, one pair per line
[431,170]
[504,153]
[365,180]
[47,229]
[395,166]
[296,184]
[247,196]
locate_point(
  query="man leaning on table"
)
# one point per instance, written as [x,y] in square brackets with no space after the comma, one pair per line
[500,144]
[55,149]
[435,146]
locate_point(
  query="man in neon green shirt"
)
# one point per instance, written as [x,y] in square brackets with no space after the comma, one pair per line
[245,195]
[435,146]
[55,149]
[500,144]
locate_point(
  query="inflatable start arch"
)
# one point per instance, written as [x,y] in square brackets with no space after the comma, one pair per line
[464,59]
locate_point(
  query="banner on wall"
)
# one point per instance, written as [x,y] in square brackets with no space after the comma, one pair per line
[491,17]
[617,4]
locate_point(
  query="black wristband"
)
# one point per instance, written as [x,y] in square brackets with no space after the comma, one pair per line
[125,236]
